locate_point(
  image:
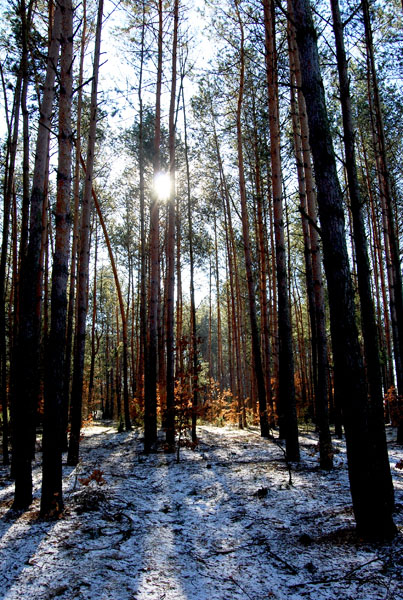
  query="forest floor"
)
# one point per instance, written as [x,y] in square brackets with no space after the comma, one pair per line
[223,524]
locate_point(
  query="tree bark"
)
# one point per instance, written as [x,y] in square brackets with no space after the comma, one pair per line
[75,235]
[369,327]
[151,368]
[371,502]
[193,322]
[83,263]
[170,352]
[27,350]
[286,400]
[52,497]
[312,254]
[391,241]
[143,358]
[257,358]
[13,126]
[121,304]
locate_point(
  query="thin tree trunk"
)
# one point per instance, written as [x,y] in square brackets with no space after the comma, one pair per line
[379,262]
[257,358]
[170,357]
[83,263]
[193,322]
[52,497]
[93,325]
[396,288]
[286,400]
[151,370]
[8,194]
[75,235]
[262,277]
[121,304]
[143,358]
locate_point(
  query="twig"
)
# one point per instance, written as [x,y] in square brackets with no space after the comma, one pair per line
[287,462]
[230,578]
[76,472]
[292,569]
[267,550]
[228,550]
[335,579]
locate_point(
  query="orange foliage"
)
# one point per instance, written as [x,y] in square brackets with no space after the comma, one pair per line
[395,404]
[88,421]
[96,475]
[222,407]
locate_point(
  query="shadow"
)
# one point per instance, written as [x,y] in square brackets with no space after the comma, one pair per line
[221,552]
[235,542]
[21,535]
[222,524]
[80,555]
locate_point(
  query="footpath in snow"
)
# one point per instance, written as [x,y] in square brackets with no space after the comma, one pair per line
[223,524]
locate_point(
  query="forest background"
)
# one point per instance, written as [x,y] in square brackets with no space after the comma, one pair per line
[159,301]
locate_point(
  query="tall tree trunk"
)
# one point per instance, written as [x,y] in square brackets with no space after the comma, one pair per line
[83,263]
[193,322]
[378,265]
[396,287]
[151,367]
[257,358]
[313,268]
[266,346]
[371,502]
[170,354]
[286,400]
[75,236]
[143,358]
[179,298]
[93,325]
[369,327]
[121,305]
[51,497]
[8,187]
[27,351]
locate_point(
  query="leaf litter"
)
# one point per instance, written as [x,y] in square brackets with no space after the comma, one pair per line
[222,524]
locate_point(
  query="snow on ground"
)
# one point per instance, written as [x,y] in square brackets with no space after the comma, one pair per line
[223,524]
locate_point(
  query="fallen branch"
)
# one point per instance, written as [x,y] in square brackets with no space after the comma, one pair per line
[292,569]
[267,550]
[230,578]
[344,577]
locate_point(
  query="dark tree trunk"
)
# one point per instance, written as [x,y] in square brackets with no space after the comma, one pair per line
[312,253]
[93,325]
[170,342]
[193,323]
[257,357]
[52,498]
[143,359]
[261,235]
[83,264]
[371,502]
[27,350]
[286,400]
[394,267]
[75,236]
[151,367]
[369,327]
[12,139]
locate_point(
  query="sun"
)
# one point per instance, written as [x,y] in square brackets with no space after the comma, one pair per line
[162,186]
